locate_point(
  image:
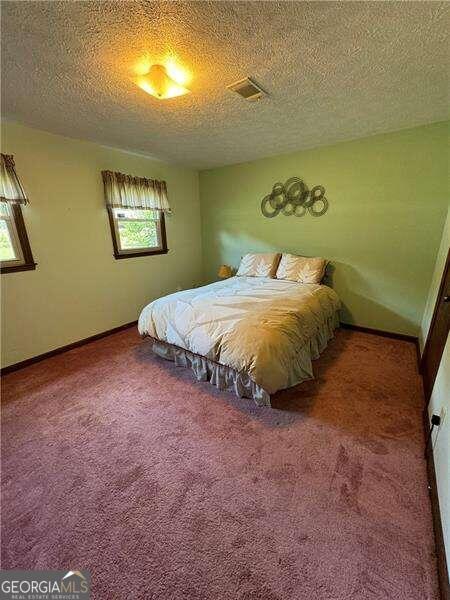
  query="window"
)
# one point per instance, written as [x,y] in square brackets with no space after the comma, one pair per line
[136,207]
[15,251]
[137,232]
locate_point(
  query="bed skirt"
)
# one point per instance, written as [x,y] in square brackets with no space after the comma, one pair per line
[227,379]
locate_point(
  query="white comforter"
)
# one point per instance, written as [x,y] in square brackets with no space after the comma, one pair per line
[253,324]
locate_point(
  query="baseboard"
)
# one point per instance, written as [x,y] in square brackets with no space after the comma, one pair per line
[92,338]
[444,587]
[389,334]
[97,336]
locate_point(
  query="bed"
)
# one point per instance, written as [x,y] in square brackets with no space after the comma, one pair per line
[250,335]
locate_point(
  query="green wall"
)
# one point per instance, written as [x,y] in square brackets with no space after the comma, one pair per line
[78,289]
[388,199]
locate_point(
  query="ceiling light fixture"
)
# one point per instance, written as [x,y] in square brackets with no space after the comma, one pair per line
[164,81]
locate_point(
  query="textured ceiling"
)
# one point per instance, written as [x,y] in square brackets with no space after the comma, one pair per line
[334,71]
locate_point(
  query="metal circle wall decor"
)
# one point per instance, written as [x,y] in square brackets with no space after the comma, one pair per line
[309,201]
[266,207]
[288,209]
[318,212]
[294,199]
[317,192]
[278,196]
[296,190]
[300,210]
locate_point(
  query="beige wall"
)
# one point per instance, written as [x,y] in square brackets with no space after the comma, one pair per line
[78,288]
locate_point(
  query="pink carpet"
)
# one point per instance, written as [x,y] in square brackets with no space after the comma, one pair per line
[163,488]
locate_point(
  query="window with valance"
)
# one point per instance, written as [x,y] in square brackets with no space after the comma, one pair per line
[136,208]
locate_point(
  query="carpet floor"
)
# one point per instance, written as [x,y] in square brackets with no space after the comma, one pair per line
[118,462]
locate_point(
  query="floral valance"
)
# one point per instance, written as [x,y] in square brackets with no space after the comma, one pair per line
[126,191]
[11,189]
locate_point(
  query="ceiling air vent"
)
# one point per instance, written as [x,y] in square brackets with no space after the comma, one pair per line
[247,89]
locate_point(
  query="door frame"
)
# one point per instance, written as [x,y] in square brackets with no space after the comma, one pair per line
[428,386]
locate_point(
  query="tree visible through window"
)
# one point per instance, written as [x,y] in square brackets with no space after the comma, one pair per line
[137,228]
[137,232]
[8,251]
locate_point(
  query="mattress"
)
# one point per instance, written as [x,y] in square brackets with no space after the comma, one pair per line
[256,335]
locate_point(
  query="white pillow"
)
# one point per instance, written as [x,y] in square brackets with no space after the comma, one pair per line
[259,265]
[301,268]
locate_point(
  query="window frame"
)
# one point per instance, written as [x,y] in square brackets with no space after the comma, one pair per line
[26,262]
[133,252]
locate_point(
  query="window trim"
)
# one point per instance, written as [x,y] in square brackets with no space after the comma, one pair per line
[118,254]
[11,228]
[28,263]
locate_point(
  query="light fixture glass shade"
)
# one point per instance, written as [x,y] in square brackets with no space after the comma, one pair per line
[159,84]
[225,271]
